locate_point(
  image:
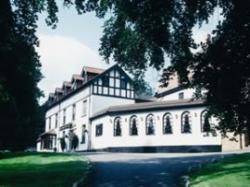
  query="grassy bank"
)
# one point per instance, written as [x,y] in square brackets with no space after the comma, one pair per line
[229,172]
[41,169]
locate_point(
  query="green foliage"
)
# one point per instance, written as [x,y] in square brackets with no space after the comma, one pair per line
[139,33]
[142,88]
[20,70]
[231,171]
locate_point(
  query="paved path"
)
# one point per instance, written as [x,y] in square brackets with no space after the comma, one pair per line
[143,170]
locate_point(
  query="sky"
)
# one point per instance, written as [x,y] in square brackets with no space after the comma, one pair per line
[75,42]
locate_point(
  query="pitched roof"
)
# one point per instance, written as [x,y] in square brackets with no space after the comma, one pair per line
[77,77]
[147,106]
[59,90]
[169,91]
[84,85]
[50,132]
[51,95]
[93,70]
[66,84]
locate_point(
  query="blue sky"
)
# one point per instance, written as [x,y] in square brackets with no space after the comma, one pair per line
[75,42]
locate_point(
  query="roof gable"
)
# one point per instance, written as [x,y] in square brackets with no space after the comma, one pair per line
[90,82]
[115,67]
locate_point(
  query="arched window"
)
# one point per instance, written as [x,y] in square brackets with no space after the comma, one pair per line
[205,122]
[150,129]
[186,123]
[117,127]
[133,126]
[167,125]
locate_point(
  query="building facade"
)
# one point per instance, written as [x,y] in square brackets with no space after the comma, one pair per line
[98,110]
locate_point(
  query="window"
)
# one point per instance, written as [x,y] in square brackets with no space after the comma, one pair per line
[105,80]
[167,126]
[117,127]
[64,116]
[123,84]
[83,140]
[84,107]
[133,128]
[117,74]
[150,129]
[181,95]
[49,123]
[186,123]
[98,130]
[56,120]
[73,112]
[205,122]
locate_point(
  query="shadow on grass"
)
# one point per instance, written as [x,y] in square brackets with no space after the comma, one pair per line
[58,173]
[7,155]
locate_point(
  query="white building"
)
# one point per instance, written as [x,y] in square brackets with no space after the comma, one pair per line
[100,108]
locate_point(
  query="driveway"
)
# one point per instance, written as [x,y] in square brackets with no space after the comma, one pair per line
[144,170]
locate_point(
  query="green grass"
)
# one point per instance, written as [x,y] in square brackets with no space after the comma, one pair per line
[41,169]
[231,171]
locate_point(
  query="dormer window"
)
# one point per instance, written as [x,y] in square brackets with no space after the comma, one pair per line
[58,93]
[51,98]
[77,81]
[89,73]
[66,87]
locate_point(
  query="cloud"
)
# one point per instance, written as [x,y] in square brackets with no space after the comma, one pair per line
[61,57]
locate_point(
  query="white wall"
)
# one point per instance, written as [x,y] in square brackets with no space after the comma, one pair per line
[80,119]
[94,104]
[99,102]
[188,94]
[159,139]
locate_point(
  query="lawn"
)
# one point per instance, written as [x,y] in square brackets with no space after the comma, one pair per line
[42,169]
[233,171]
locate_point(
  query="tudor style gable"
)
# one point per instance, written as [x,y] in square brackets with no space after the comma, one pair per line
[113,82]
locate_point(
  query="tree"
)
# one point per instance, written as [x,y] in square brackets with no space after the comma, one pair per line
[20,70]
[141,87]
[139,33]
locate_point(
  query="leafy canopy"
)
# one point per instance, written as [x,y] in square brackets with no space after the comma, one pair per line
[139,33]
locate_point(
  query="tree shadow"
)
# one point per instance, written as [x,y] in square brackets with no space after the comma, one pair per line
[8,155]
[150,172]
